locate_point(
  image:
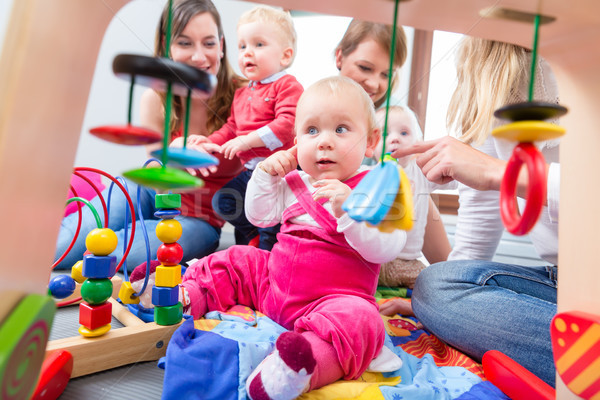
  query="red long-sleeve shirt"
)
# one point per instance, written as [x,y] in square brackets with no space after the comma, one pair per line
[269,107]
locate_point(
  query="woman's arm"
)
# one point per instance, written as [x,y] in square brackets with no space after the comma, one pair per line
[436,246]
[446,159]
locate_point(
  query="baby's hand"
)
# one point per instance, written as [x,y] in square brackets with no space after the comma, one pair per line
[396,306]
[333,190]
[280,163]
[234,146]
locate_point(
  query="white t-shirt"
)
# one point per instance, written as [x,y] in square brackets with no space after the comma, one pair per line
[479,227]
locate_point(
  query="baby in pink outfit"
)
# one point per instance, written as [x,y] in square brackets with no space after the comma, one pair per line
[320,277]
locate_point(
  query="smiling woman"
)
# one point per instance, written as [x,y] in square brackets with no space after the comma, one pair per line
[363,55]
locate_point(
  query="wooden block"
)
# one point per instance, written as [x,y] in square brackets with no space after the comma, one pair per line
[165,296]
[126,294]
[167,276]
[99,267]
[168,315]
[95,316]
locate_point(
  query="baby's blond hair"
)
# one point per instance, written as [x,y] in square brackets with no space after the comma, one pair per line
[282,19]
[342,87]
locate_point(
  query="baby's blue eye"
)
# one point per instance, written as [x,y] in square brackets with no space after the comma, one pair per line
[404,133]
[312,131]
[259,44]
[341,129]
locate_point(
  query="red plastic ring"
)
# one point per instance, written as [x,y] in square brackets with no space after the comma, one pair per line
[528,154]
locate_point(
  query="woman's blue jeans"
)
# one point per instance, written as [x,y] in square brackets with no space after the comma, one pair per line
[476,306]
[198,239]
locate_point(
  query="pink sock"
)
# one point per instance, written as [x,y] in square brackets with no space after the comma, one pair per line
[285,374]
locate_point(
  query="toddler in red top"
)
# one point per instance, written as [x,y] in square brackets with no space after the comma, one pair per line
[262,114]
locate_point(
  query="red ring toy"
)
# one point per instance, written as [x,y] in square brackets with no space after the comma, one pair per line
[528,154]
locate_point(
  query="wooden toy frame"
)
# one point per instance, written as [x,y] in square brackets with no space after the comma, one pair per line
[137,341]
[43,100]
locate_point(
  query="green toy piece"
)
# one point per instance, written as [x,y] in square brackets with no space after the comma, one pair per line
[170,200]
[96,291]
[170,315]
[163,178]
[23,338]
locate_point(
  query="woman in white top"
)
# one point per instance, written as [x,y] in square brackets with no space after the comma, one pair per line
[470,302]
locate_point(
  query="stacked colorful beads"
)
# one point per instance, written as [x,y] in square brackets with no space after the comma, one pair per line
[95,313]
[165,293]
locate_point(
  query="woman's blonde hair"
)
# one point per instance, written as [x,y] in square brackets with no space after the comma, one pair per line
[489,73]
[219,105]
[359,31]
[281,19]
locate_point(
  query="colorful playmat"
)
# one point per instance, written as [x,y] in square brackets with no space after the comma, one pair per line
[215,355]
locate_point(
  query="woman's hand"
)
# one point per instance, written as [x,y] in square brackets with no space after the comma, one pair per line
[280,163]
[194,140]
[203,145]
[446,159]
[334,191]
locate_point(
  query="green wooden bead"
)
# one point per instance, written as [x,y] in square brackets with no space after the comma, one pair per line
[96,291]
[170,315]
[170,200]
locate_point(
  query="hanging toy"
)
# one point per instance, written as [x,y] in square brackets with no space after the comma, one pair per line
[383,198]
[527,126]
[165,75]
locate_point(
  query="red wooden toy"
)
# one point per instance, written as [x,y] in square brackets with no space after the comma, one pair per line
[56,372]
[513,379]
[576,346]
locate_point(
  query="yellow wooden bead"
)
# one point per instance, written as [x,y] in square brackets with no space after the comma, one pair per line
[400,215]
[168,230]
[77,272]
[529,131]
[126,293]
[167,276]
[85,332]
[101,242]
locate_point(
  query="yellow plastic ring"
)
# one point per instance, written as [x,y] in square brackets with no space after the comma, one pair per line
[529,131]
